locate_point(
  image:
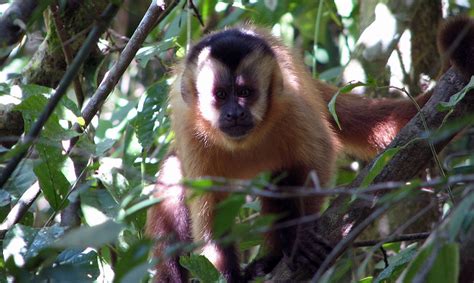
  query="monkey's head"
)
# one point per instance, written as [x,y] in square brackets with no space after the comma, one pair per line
[229,79]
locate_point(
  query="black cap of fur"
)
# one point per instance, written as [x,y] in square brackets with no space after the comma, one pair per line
[456,44]
[231,46]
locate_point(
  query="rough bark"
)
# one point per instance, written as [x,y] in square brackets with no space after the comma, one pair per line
[424,54]
[48,63]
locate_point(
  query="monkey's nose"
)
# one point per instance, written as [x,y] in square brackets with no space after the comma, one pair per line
[235,115]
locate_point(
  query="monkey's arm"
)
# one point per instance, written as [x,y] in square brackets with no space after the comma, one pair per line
[168,222]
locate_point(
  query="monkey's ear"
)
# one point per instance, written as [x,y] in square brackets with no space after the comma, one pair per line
[276,81]
[456,43]
[188,87]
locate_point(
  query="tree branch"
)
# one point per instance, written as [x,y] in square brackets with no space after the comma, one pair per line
[13,24]
[20,209]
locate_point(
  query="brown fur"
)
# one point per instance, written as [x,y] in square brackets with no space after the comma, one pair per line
[456,44]
[296,135]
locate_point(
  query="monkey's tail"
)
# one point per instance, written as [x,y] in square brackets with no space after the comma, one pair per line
[367,126]
[456,44]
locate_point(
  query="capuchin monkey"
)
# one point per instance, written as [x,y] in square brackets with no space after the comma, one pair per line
[243,104]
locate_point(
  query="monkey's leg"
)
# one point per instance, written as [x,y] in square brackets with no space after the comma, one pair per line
[168,222]
[224,257]
[284,235]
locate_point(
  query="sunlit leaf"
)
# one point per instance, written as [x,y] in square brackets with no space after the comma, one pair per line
[95,236]
[225,214]
[23,243]
[133,262]
[54,185]
[200,267]
[378,165]
[332,103]
[396,264]
[151,114]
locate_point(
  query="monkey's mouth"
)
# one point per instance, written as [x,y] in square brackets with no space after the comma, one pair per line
[236,131]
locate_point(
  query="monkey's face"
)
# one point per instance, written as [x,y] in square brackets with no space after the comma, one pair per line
[232,82]
[232,101]
[226,99]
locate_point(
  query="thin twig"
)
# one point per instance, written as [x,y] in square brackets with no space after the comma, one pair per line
[364,193]
[401,238]
[196,12]
[385,257]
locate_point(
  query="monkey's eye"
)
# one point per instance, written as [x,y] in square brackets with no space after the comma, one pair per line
[221,94]
[245,92]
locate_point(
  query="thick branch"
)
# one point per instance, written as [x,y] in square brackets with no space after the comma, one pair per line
[13,24]
[337,222]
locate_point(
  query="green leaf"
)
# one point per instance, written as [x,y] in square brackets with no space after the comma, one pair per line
[415,266]
[137,273]
[396,264]
[151,114]
[95,236]
[254,205]
[72,266]
[199,184]
[104,146]
[144,54]
[460,216]
[366,280]
[332,103]
[331,74]
[225,213]
[200,268]
[454,99]
[23,243]
[378,165]
[98,205]
[446,266]
[135,256]
[140,206]
[5,198]
[54,185]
